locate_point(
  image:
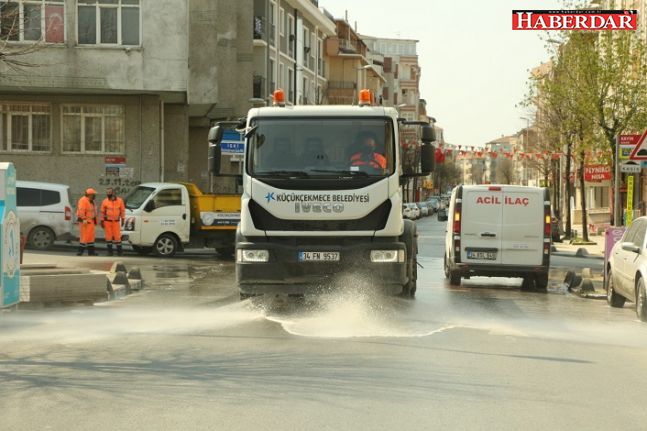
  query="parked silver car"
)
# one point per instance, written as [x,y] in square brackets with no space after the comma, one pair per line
[627,269]
[45,212]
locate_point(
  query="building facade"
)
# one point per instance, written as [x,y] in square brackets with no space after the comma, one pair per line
[121,92]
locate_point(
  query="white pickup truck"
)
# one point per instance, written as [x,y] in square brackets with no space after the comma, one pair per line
[167,217]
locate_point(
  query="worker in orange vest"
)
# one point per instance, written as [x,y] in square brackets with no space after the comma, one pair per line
[86,216]
[113,214]
[367,155]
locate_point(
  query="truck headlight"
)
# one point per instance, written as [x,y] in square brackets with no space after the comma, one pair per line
[382,256]
[252,255]
[129,224]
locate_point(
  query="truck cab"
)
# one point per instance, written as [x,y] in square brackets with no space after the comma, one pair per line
[321,198]
[166,217]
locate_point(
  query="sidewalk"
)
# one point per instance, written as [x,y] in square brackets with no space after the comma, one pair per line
[594,250]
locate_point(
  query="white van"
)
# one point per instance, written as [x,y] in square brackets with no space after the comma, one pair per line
[499,231]
[45,212]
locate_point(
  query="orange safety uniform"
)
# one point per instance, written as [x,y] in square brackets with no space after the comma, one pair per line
[374,160]
[113,214]
[86,214]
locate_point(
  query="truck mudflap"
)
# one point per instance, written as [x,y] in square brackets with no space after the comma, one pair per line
[285,272]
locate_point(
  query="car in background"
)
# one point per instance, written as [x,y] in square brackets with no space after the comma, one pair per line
[411,211]
[45,212]
[627,269]
[433,203]
[424,210]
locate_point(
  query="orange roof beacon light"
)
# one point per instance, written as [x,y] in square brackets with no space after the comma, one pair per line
[365,97]
[279,97]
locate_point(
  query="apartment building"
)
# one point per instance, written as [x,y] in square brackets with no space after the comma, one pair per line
[120,92]
[289,37]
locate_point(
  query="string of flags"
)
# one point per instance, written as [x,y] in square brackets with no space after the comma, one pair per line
[471,153]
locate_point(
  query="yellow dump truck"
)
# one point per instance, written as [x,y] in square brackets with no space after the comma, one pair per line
[165,218]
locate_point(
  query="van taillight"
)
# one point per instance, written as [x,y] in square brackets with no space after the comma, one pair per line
[457,218]
[547,232]
[68,213]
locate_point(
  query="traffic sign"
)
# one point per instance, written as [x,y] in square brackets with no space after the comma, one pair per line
[640,151]
[630,168]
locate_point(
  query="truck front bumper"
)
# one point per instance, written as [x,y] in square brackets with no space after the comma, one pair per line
[285,274]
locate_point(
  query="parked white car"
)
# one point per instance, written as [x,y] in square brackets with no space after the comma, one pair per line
[424,210]
[413,213]
[45,212]
[627,269]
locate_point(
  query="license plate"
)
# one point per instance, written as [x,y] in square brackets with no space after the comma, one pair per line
[482,255]
[318,256]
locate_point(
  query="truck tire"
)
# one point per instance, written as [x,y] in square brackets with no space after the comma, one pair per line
[166,245]
[409,238]
[527,285]
[454,278]
[409,289]
[41,238]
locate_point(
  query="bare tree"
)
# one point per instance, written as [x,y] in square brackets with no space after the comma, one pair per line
[15,56]
[505,171]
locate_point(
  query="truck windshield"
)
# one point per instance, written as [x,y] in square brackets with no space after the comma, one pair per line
[138,196]
[321,147]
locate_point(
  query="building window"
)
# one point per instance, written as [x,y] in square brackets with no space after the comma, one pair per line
[93,129]
[25,127]
[32,20]
[108,22]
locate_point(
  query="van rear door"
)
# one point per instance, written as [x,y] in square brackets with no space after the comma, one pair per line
[523,218]
[481,225]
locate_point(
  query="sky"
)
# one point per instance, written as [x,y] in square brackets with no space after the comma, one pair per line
[475,68]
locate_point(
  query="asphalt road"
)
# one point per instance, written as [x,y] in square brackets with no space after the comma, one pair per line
[186,354]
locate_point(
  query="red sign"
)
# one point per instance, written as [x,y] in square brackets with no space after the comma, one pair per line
[640,150]
[597,173]
[115,160]
[574,20]
[629,139]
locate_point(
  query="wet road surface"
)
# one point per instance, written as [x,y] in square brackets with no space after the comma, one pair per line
[185,353]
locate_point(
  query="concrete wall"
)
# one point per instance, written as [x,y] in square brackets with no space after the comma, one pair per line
[160,64]
[176,138]
[79,171]
[220,57]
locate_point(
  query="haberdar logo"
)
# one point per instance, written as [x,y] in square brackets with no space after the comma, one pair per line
[574,19]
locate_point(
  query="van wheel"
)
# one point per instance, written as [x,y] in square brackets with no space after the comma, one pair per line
[165,245]
[613,299]
[641,300]
[41,238]
[541,282]
[454,278]
[527,285]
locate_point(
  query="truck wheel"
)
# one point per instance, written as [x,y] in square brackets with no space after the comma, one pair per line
[41,238]
[165,245]
[409,289]
[142,251]
[454,278]
[541,282]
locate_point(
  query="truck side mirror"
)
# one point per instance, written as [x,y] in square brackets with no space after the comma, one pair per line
[426,158]
[215,151]
[150,206]
[428,134]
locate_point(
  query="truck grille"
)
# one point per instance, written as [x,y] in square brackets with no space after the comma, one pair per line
[375,220]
